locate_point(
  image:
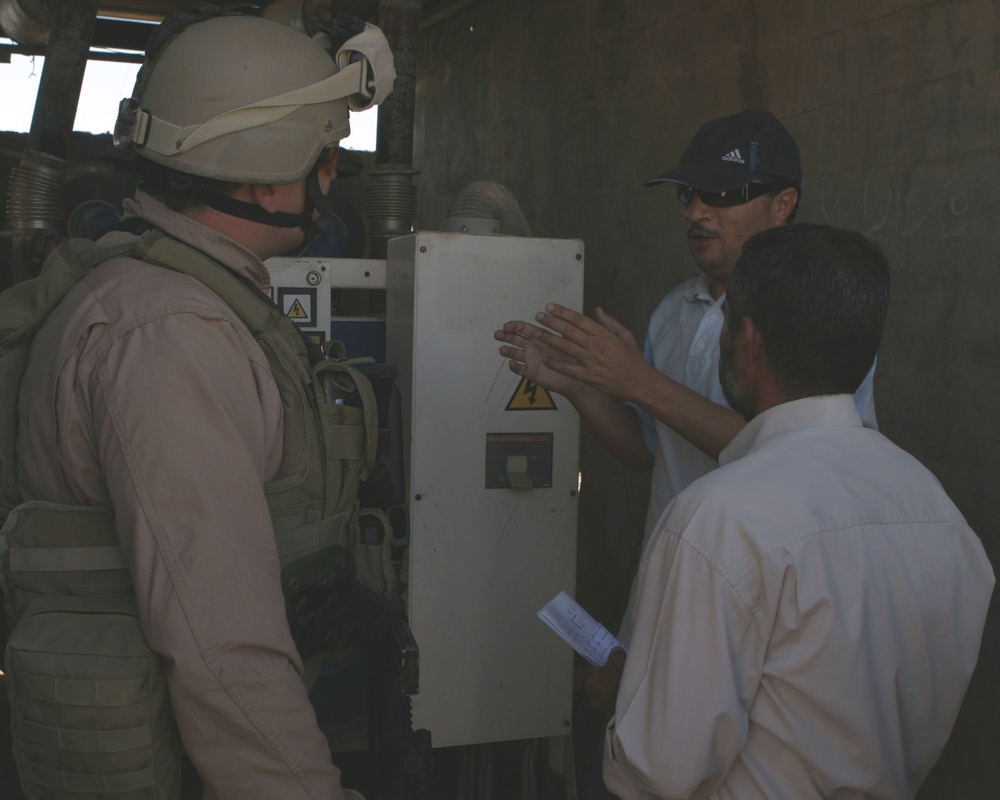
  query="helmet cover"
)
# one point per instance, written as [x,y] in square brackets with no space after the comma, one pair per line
[244,99]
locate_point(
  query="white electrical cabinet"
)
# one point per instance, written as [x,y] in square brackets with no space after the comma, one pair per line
[492,483]
[492,467]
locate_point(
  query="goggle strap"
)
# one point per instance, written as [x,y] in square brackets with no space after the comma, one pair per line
[168,139]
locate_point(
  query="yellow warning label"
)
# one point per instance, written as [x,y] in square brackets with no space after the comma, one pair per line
[297,311]
[530,396]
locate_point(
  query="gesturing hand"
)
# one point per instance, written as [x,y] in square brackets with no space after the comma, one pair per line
[533,357]
[600,352]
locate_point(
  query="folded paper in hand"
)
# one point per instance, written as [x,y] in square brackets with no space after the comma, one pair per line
[586,635]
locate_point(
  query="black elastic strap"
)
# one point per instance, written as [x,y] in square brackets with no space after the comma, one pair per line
[314,193]
[254,213]
[315,199]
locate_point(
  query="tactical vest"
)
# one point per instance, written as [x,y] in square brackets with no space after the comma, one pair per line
[89,704]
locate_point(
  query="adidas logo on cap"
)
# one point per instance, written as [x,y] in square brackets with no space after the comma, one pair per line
[734,156]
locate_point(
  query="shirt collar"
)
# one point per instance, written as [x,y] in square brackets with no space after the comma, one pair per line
[700,291]
[810,412]
[209,241]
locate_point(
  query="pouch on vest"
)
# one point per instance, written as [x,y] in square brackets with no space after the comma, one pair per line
[330,426]
[312,544]
[90,711]
[330,433]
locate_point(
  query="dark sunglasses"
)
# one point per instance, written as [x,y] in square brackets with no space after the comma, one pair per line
[730,197]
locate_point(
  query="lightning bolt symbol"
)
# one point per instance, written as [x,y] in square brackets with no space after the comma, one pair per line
[530,390]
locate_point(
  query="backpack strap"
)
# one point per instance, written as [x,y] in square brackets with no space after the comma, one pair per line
[26,305]
[23,309]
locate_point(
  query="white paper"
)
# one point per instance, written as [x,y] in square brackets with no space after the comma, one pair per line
[585,634]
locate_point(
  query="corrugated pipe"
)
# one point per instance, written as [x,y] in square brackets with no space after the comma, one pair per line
[486,207]
[26,21]
[391,197]
[36,194]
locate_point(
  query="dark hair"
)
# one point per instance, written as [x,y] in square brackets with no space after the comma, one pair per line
[179,190]
[818,295]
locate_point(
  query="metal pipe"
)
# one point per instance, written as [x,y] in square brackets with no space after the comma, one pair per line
[33,201]
[36,196]
[25,21]
[62,76]
[398,20]
[391,197]
[390,205]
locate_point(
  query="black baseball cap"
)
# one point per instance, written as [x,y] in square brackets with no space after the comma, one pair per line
[730,151]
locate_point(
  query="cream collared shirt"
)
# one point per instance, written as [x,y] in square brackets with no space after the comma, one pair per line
[806,620]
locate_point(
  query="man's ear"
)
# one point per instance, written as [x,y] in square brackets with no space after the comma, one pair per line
[262,194]
[784,204]
[331,165]
[751,346]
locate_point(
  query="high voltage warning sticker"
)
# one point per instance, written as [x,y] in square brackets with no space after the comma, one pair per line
[299,305]
[530,396]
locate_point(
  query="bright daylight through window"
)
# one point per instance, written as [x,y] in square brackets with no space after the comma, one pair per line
[105,83]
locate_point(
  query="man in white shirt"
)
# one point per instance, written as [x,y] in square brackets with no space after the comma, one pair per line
[739,175]
[807,617]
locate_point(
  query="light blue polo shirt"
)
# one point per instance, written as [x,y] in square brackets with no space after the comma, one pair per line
[683,343]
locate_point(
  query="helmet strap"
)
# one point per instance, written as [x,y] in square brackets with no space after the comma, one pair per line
[315,199]
[254,213]
[315,195]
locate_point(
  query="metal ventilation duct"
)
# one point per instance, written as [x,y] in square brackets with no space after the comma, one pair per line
[26,21]
[486,207]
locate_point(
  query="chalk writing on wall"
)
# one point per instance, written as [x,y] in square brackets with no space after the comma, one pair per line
[907,204]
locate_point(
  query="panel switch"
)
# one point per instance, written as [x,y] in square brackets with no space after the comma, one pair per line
[517,473]
[519,461]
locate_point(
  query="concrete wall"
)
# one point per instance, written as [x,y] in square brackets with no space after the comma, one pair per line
[573,103]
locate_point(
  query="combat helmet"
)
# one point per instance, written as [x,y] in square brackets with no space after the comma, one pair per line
[245,99]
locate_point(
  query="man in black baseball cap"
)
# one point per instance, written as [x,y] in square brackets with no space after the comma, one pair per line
[745,147]
[739,175]
[730,163]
